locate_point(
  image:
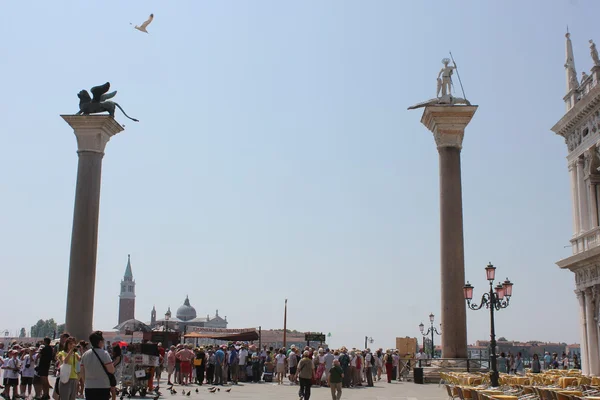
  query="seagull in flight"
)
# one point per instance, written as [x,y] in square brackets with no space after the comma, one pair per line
[142,28]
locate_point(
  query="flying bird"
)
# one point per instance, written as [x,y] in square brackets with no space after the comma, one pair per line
[142,28]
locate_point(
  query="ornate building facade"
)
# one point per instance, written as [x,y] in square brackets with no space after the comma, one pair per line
[186,318]
[127,296]
[580,127]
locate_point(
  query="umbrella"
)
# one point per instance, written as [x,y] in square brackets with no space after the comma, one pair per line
[121,344]
[133,325]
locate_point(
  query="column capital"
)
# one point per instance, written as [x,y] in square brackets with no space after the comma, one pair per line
[93,131]
[572,165]
[448,123]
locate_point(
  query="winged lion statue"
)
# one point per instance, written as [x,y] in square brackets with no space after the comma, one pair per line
[98,103]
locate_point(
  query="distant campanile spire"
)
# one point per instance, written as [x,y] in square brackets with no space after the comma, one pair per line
[127,295]
[571,72]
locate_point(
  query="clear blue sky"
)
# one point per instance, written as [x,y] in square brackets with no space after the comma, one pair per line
[275,158]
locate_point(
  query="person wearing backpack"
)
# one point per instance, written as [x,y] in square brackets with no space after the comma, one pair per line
[369,365]
[389,365]
[345,364]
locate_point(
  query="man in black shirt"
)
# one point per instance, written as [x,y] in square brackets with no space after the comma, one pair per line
[43,368]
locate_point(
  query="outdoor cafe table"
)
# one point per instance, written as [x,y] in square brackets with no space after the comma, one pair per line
[504,397]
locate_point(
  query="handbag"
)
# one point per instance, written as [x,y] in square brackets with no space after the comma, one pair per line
[111,377]
[65,373]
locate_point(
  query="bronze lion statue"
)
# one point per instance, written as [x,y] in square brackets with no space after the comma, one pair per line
[98,103]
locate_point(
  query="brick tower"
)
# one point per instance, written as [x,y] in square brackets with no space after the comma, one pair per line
[127,296]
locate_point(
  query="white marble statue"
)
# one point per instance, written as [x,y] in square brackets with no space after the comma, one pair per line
[444,84]
[584,77]
[594,53]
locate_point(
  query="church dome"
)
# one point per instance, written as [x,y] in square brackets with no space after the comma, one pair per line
[186,312]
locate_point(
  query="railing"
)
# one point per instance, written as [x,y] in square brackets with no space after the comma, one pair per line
[586,241]
[455,364]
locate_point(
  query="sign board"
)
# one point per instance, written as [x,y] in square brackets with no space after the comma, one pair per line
[406,345]
[314,337]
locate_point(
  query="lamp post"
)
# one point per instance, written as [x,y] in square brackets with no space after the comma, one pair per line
[167,318]
[368,339]
[497,298]
[432,330]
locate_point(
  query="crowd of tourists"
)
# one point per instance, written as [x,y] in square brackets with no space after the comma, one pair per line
[514,364]
[92,370]
[240,362]
[71,369]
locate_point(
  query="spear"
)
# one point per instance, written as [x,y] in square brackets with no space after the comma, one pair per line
[458,75]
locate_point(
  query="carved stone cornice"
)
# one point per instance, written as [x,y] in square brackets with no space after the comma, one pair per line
[578,112]
[447,123]
[93,131]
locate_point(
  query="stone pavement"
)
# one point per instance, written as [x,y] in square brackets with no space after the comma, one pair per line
[272,391]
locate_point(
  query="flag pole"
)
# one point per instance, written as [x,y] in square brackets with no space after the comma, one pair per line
[285,325]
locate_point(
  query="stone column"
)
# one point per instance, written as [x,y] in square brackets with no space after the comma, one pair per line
[593,201]
[585,360]
[584,218]
[448,126]
[592,333]
[575,198]
[92,133]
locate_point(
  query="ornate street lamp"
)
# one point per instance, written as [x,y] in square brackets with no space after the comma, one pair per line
[167,318]
[497,298]
[368,339]
[431,330]
[177,330]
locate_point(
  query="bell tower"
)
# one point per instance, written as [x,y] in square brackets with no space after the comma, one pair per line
[153,317]
[127,296]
